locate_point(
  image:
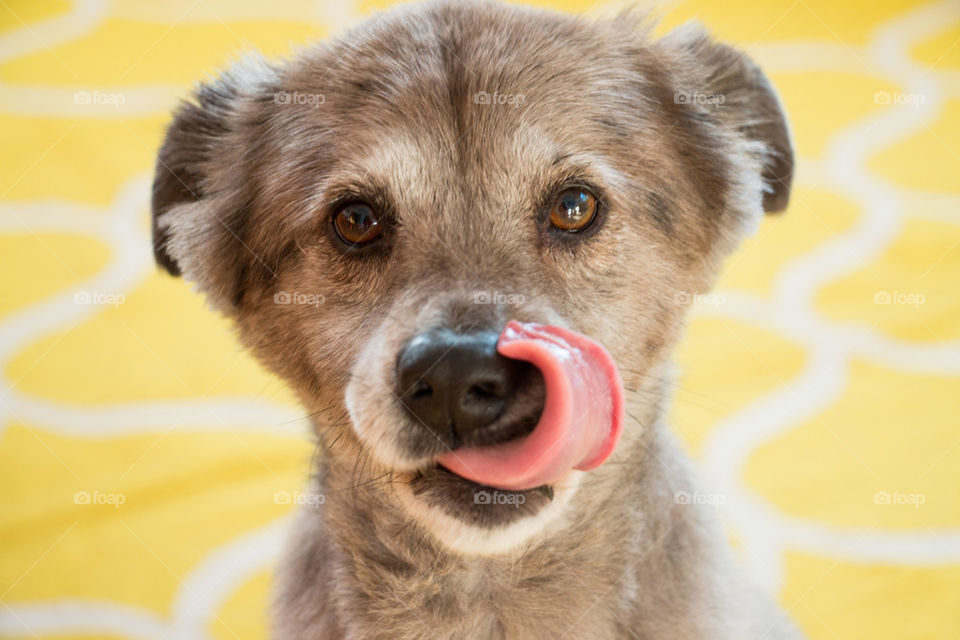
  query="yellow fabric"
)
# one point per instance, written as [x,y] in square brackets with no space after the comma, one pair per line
[147,463]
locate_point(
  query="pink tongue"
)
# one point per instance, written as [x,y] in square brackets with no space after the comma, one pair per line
[581,421]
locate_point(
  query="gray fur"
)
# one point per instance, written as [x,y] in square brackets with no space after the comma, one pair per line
[247,184]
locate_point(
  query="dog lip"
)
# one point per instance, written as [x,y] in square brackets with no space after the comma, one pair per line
[544,489]
[474,503]
[424,474]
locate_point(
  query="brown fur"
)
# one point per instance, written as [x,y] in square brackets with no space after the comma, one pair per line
[244,193]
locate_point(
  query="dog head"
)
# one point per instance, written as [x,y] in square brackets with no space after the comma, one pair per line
[375,211]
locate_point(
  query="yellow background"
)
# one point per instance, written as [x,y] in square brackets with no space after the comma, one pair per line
[823,376]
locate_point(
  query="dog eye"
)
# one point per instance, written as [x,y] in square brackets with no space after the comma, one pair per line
[357,224]
[573,210]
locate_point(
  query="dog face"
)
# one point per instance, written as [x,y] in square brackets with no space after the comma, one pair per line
[373,212]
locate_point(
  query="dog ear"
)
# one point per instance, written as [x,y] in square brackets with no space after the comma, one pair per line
[729,87]
[200,188]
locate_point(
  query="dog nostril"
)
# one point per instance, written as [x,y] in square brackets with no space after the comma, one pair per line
[486,390]
[420,390]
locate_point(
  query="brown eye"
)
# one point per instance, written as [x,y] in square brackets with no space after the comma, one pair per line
[357,224]
[573,210]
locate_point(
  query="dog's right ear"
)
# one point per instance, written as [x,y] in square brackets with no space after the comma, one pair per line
[200,189]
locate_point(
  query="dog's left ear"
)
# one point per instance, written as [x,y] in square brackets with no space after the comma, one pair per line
[729,87]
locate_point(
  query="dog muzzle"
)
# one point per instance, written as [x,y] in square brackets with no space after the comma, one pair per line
[582,417]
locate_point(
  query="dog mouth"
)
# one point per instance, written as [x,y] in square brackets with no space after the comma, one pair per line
[569,419]
[581,419]
[482,506]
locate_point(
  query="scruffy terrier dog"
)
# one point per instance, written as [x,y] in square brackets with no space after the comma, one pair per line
[496,216]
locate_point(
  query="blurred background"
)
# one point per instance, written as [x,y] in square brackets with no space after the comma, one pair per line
[147,464]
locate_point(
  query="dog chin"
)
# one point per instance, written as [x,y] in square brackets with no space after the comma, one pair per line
[473,519]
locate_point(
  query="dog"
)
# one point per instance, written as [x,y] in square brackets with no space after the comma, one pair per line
[467,235]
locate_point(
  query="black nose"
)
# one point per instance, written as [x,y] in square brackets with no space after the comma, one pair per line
[456,383]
